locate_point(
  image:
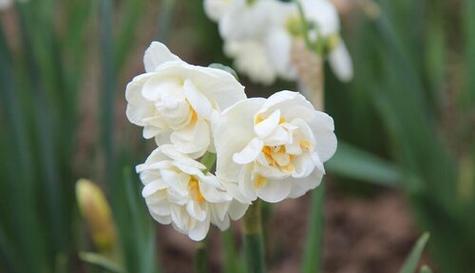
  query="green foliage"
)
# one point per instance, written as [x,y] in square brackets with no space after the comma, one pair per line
[410,265]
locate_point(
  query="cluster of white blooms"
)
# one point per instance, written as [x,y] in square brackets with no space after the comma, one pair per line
[270,149]
[260,35]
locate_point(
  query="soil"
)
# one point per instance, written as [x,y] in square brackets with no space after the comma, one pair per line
[362,235]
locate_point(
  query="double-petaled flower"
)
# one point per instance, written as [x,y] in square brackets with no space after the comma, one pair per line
[277,149]
[175,102]
[270,149]
[180,191]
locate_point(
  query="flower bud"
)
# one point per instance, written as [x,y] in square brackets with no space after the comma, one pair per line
[96,211]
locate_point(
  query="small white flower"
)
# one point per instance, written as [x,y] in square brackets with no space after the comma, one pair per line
[273,149]
[175,102]
[179,191]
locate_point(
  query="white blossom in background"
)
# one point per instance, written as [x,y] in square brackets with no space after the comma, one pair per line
[180,191]
[273,27]
[176,102]
[273,149]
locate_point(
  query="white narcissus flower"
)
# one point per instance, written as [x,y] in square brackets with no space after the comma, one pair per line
[273,149]
[179,191]
[175,102]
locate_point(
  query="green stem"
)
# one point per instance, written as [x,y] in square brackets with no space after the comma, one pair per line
[312,260]
[231,256]
[200,262]
[253,242]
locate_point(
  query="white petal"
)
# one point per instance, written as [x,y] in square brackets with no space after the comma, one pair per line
[268,125]
[151,188]
[157,54]
[326,141]
[341,63]
[197,100]
[196,211]
[199,231]
[211,192]
[274,191]
[237,210]
[246,183]
[291,105]
[301,186]
[219,211]
[233,132]
[304,166]
[193,140]
[221,224]
[249,153]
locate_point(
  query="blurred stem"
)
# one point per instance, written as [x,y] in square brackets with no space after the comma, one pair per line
[253,241]
[231,257]
[313,82]
[312,262]
[201,258]
[108,86]
[165,19]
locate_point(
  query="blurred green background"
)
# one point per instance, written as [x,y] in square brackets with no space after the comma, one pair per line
[406,125]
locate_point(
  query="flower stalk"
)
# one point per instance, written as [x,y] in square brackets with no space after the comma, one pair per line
[253,240]
[200,262]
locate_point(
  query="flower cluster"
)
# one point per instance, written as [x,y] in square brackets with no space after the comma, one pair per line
[262,35]
[270,149]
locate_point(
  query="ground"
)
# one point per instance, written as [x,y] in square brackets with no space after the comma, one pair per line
[362,235]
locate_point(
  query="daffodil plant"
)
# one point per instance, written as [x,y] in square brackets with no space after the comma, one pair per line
[270,149]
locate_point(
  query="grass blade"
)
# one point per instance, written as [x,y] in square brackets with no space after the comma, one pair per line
[100,261]
[410,265]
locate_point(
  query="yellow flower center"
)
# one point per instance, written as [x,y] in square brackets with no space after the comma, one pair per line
[194,188]
[260,181]
[273,152]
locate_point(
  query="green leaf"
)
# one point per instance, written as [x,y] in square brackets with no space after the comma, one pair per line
[410,265]
[101,261]
[352,162]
